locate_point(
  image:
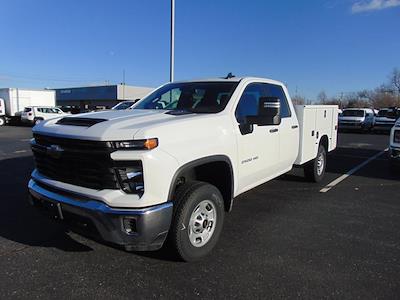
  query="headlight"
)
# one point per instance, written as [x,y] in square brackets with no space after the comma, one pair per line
[147,144]
[396,136]
[131,178]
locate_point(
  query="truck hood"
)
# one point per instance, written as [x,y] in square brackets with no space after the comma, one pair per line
[110,125]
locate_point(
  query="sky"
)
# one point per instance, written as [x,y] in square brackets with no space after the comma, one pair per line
[327,45]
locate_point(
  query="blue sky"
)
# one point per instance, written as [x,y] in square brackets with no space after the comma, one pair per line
[332,45]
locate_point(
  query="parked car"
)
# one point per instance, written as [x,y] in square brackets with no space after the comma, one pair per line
[394,147]
[357,119]
[385,119]
[173,164]
[36,114]
[124,105]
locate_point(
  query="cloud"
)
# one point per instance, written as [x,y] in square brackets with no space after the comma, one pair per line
[371,5]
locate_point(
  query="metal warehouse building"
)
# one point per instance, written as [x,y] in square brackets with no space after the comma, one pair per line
[99,96]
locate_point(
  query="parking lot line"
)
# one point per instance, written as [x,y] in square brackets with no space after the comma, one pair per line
[351,172]
[20,151]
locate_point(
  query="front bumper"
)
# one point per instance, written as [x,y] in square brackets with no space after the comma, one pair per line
[351,125]
[137,229]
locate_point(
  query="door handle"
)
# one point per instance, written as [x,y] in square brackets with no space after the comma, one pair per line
[273,130]
[294,126]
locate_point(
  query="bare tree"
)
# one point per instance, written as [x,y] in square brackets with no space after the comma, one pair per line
[395,80]
[322,98]
[298,100]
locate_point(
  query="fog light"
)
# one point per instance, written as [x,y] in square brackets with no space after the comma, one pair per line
[129,225]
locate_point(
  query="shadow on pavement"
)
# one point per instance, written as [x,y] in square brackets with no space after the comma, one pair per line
[21,223]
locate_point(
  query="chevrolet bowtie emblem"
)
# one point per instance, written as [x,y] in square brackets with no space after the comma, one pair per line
[54,151]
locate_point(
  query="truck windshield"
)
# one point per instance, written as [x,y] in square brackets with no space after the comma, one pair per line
[353,113]
[123,105]
[193,97]
[383,113]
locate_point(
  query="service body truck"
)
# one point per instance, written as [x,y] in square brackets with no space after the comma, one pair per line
[14,100]
[170,167]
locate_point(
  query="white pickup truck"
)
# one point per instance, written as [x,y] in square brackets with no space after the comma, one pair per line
[170,168]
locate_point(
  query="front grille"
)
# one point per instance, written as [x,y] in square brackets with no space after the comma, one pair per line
[83,163]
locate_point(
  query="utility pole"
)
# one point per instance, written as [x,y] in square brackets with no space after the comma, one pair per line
[172,50]
[123,84]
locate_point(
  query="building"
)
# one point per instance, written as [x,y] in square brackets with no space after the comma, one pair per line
[93,97]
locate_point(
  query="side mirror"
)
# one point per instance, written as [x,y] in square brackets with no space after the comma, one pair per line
[269,112]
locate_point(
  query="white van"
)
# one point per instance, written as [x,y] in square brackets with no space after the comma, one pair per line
[36,114]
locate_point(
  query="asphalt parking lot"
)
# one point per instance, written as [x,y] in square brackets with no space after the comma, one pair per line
[285,239]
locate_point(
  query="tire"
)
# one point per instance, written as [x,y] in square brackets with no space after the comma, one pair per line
[313,171]
[198,220]
[2,121]
[37,121]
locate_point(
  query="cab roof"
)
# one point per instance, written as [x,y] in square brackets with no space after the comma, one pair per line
[232,79]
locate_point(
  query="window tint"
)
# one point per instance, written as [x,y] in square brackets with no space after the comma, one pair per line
[353,113]
[27,109]
[248,103]
[277,91]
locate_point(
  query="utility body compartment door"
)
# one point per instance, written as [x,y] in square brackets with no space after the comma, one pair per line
[315,121]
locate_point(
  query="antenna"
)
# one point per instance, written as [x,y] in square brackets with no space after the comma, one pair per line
[229,76]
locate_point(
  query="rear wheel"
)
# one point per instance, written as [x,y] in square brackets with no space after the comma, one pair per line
[315,169]
[198,220]
[2,121]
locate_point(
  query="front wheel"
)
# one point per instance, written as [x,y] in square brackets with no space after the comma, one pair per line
[198,220]
[315,169]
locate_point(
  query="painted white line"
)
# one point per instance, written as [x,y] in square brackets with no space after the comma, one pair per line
[351,172]
[20,151]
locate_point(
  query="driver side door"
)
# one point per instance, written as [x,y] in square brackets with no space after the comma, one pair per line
[258,150]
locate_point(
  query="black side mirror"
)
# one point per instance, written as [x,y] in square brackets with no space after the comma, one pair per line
[269,112]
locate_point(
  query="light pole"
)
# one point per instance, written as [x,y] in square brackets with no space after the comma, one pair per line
[172,50]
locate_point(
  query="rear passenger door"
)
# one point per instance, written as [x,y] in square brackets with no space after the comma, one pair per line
[289,129]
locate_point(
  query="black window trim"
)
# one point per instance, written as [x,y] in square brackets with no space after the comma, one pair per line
[267,83]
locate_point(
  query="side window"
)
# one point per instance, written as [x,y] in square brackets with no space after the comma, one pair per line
[277,91]
[248,103]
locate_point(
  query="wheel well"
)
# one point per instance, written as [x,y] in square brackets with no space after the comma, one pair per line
[324,142]
[218,173]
